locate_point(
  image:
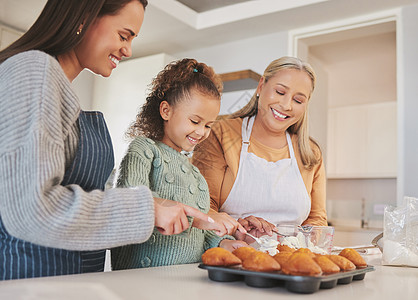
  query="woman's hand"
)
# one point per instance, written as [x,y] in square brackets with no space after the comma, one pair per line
[171,216]
[256,226]
[214,225]
[230,224]
[231,245]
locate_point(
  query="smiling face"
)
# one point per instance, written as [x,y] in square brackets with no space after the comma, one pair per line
[188,122]
[283,100]
[109,39]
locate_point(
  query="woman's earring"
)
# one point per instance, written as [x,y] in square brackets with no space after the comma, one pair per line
[257,95]
[80,29]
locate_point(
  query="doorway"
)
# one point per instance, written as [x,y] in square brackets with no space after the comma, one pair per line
[353,113]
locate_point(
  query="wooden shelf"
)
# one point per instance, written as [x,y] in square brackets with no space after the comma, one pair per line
[240,80]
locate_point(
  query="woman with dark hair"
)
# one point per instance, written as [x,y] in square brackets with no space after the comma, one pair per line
[56,218]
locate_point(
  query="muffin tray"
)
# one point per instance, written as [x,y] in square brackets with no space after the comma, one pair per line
[295,284]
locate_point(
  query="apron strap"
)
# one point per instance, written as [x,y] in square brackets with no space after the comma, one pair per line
[246,128]
[290,146]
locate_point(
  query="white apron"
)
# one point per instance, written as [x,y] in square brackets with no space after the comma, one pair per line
[274,191]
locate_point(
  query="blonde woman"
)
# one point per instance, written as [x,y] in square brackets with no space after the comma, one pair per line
[261,166]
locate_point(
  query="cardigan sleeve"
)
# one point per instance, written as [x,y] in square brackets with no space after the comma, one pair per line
[318,214]
[209,158]
[136,168]
[38,111]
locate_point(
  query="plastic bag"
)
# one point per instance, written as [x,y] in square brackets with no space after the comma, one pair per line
[400,234]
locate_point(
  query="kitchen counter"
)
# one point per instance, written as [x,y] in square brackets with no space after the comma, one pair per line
[349,236]
[191,282]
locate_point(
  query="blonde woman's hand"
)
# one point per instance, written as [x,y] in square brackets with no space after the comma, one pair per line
[171,216]
[230,224]
[256,226]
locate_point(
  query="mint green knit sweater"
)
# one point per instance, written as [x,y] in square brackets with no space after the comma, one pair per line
[169,175]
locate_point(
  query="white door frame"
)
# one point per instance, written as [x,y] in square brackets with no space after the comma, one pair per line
[341,25]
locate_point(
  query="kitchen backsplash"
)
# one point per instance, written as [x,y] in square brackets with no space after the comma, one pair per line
[357,202]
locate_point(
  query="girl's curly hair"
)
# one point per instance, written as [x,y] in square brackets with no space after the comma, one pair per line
[173,84]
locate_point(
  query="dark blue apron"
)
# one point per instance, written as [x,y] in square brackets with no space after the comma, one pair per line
[90,169]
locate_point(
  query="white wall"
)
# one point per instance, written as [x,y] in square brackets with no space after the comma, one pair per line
[408,104]
[363,69]
[7,36]
[84,86]
[254,54]
[121,96]
[233,101]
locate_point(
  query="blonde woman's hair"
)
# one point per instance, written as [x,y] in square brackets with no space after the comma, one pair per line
[300,129]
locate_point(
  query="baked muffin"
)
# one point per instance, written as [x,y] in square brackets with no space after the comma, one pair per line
[327,266]
[353,256]
[301,263]
[285,248]
[307,251]
[282,257]
[219,257]
[260,261]
[342,262]
[243,252]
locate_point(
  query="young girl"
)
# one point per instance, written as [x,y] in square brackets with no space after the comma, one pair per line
[178,114]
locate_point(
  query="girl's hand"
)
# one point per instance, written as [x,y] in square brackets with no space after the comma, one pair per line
[256,226]
[230,224]
[231,245]
[171,216]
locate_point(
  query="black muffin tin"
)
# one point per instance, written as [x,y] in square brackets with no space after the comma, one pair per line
[295,284]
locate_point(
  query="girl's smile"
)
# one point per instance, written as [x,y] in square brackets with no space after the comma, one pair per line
[188,122]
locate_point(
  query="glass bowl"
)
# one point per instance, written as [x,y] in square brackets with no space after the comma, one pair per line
[318,239]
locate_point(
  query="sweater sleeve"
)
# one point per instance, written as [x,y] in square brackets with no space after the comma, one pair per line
[209,158]
[38,109]
[135,167]
[318,214]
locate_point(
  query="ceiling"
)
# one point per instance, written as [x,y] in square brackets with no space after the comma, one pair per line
[205,5]
[172,26]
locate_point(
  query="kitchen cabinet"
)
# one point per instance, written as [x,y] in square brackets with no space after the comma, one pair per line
[362,141]
[239,86]
[240,80]
[121,95]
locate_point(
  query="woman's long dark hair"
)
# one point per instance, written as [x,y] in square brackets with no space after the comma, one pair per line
[55,30]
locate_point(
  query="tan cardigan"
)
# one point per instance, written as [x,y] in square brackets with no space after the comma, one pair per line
[218,161]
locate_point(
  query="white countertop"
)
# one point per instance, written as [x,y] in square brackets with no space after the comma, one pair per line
[191,282]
